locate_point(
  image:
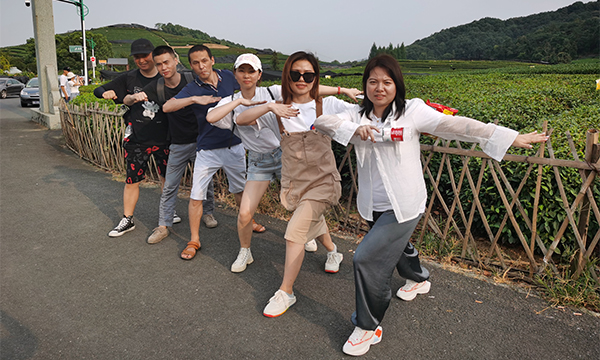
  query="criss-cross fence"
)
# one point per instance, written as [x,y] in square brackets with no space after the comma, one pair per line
[454,213]
[461,182]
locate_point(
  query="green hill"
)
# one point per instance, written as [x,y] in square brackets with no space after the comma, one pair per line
[568,33]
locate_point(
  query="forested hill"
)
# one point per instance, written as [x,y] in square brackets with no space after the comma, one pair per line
[558,36]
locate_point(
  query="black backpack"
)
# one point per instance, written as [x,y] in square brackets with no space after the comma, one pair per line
[160,86]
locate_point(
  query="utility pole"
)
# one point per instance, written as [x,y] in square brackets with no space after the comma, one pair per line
[83,11]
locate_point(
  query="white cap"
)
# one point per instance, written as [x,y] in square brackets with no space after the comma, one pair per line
[70,75]
[249,59]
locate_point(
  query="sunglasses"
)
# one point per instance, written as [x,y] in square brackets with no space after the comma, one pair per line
[308,76]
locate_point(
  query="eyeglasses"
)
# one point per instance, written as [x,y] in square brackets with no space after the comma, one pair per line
[308,76]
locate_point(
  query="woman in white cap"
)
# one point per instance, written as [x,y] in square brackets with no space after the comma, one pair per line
[310,181]
[261,141]
[74,84]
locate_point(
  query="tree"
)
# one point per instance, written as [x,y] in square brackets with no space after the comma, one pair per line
[402,52]
[102,49]
[4,63]
[373,51]
[275,60]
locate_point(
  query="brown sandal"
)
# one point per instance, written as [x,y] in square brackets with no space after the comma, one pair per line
[190,250]
[257,228]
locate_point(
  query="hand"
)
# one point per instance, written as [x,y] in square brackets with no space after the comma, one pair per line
[525,140]
[285,111]
[366,131]
[205,100]
[141,96]
[247,102]
[351,93]
[109,95]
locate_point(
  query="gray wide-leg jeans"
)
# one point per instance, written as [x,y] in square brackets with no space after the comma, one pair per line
[385,247]
[179,156]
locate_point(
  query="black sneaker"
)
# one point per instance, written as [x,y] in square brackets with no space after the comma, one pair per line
[125,225]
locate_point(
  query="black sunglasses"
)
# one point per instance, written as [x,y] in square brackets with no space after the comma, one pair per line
[308,76]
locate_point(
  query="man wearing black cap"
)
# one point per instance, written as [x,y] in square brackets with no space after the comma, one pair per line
[63,80]
[143,136]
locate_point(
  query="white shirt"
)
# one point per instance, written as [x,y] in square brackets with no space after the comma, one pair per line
[73,89]
[308,113]
[398,163]
[64,82]
[259,139]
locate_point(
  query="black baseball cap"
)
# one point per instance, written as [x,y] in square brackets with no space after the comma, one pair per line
[66,68]
[141,46]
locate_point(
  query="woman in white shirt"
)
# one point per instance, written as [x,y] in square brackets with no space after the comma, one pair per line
[392,193]
[261,140]
[310,182]
[74,83]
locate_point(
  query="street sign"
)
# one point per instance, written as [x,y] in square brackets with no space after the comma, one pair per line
[93,59]
[75,48]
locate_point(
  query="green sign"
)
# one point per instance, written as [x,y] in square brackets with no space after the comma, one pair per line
[75,48]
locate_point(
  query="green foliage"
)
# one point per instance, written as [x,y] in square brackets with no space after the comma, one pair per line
[102,49]
[553,37]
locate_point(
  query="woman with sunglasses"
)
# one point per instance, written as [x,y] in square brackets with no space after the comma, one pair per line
[310,182]
[392,193]
[262,142]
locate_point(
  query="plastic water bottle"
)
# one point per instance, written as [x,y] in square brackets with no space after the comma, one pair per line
[396,134]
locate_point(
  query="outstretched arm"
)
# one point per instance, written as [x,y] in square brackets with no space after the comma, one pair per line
[249,117]
[174,104]
[217,113]
[335,90]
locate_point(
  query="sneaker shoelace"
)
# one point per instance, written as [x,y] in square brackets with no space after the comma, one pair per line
[242,256]
[122,224]
[331,258]
[358,336]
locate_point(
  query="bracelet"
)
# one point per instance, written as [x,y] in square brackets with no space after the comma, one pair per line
[339,90]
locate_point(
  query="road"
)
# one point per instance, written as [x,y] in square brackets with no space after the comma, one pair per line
[68,291]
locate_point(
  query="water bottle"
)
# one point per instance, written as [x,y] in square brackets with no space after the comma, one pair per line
[396,134]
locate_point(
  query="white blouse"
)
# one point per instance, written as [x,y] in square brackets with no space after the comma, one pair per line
[398,163]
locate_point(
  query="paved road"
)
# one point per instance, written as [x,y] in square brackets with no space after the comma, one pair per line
[70,292]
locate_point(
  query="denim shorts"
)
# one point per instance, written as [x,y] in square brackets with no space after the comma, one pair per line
[264,166]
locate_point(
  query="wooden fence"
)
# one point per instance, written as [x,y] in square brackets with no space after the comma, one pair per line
[96,134]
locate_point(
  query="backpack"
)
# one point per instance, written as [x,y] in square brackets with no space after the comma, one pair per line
[160,86]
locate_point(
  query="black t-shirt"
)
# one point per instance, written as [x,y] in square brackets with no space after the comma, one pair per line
[129,82]
[183,127]
[150,127]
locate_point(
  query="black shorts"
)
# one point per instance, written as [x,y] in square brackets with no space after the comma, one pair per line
[137,157]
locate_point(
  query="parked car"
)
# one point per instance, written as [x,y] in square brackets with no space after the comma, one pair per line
[10,87]
[30,95]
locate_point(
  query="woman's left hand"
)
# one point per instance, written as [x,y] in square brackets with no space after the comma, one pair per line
[351,93]
[366,131]
[525,140]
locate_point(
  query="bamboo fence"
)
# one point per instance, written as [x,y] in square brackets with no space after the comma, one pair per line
[96,134]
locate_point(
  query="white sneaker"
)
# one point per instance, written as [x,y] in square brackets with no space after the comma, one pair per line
[332,265]
[311,246]
[410,290]
[361,340]
[279,303]
[176,218]
[244,258]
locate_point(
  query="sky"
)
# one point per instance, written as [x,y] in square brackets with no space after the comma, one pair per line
[342,30]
